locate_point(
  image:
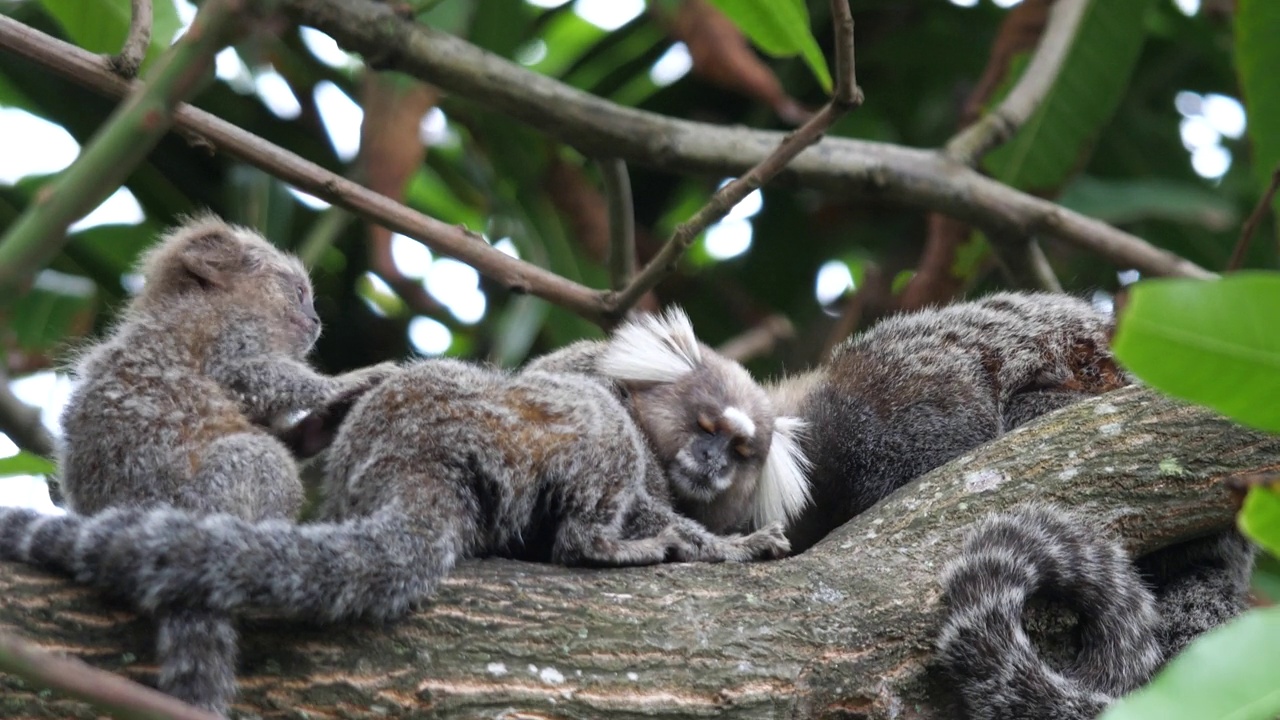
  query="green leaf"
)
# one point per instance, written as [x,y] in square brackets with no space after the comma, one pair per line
[1257,59]
[44,318]
[1260,517]
[101,25]
[1209,341]
[1231,672]
[1125,201]
[25,463]
[1094,76]
[1266,577]
[779,28]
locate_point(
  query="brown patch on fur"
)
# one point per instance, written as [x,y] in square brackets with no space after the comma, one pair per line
[1093,370]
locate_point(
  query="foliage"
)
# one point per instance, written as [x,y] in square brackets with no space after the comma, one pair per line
[1214,342]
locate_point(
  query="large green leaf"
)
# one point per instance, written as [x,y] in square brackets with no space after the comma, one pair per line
[1230,673]
[1094,76]
[25,463]
[101,25]
[1209,341]
[781,29]
[1258,62]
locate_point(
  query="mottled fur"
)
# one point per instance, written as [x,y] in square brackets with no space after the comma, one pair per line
[919,389]
[170,407]
[733,464]
[441,461]
[1126,629]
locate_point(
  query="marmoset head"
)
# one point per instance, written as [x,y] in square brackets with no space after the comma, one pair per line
[237,274]
[728,456]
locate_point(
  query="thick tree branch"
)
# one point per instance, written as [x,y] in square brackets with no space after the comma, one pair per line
[842,631]
[119,145]
[598,128]
[134,50]
[89,70]
[970,144]
[847,96]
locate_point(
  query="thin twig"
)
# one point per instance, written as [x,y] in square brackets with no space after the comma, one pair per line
[518,276]
[759,340]
[1251,223]
[622,221]
[103,690]
[970,144]
[120,144]
[847,96]
[134,50]
[1023,262]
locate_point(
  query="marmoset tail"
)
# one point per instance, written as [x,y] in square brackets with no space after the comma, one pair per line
[919,389]
[732,462]
[441,461]
[171,407]
[983,648]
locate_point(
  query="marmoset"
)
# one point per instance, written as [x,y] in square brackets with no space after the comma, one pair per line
[733,464]
[171,407]
[441,461]
[919,389]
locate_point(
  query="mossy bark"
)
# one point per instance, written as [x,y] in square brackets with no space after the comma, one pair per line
[842,631]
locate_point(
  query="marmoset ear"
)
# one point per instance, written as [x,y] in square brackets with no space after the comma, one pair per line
[652,349]
[784,483]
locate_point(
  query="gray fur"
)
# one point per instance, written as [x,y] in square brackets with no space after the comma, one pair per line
[441,461]
[170,408]
[1132,620]
[919,389]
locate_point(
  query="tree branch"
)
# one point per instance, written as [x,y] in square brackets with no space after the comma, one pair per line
[107,691]
[21,422]
[847,96]
[844,630]
[133,129]
[88,70]
[970,144]
[759,340]
[598,128]
[622,221]
[134,50]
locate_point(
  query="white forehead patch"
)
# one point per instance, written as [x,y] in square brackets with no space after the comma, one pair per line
[653,348]
[739,422]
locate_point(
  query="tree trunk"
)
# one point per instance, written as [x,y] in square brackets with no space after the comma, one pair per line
[842,631]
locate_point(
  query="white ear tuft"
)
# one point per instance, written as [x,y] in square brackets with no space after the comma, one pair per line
[784,483]
[653,348]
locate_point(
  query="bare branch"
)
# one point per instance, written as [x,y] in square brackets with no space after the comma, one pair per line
[598,128]
[622,221]
[120,144]
[134,50]
[107,691]
[759,340]
[970,144]
[21,422]
[518,276]
[1251,223]
[848,96]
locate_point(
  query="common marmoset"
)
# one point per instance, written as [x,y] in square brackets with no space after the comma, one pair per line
[171,407]
[919,389]
[441,461]
[733,463]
